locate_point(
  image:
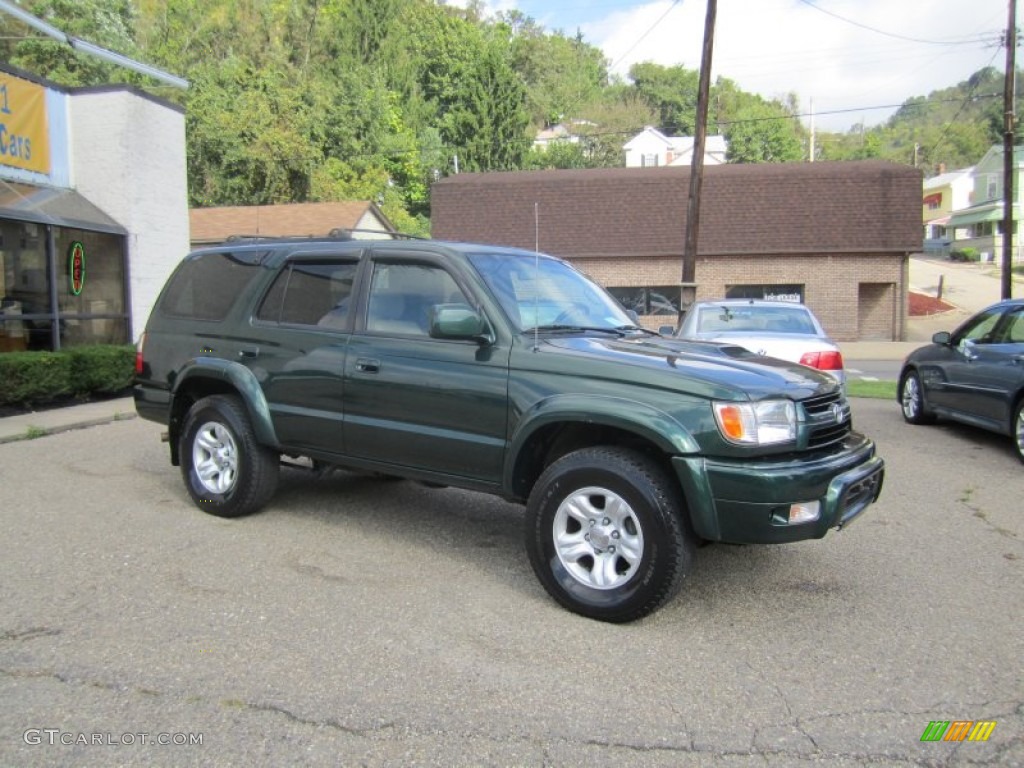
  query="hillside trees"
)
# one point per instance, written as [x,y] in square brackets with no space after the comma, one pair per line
[295,100]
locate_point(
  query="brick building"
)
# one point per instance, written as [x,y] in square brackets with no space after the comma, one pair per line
[836,236]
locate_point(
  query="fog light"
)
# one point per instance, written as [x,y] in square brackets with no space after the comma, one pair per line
[804,512]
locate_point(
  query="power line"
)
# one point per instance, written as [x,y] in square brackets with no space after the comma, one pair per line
[889,34]
[644,35]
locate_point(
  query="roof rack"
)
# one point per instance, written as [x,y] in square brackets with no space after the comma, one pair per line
[338,233]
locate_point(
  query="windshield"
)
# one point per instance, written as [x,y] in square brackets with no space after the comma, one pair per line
[539,291]
[754,319]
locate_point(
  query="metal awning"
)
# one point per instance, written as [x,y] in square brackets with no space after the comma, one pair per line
[974,216]
[52,205]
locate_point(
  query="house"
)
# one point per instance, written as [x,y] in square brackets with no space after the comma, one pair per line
[943,194]
[651,148]
[836,236]
[980,225]
[215,225]
[568,131]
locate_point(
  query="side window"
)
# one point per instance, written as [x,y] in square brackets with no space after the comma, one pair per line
[310,294]
[1015,332]
[205,287]
[980,331]
[401,296]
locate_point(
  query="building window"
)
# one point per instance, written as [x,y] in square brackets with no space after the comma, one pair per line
[654,300]
[648,160]
[60,286]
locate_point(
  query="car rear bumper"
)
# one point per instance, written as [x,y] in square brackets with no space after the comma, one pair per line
[749,503]
[152,403]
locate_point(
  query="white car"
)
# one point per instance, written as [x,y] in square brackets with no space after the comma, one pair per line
[779,329]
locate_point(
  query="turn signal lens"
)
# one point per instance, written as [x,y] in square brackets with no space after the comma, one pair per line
[767,422]
[805,512]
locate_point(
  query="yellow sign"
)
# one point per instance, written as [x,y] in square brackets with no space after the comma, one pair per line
[24,130]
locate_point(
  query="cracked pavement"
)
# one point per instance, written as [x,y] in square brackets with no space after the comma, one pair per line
[363,622]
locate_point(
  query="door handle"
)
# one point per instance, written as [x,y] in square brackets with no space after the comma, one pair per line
[367,365]
[252,352]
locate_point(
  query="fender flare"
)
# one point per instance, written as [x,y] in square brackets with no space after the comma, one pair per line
[650,423]
[243,381]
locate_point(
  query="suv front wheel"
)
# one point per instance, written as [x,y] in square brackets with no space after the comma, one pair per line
[607,535]
[227,472]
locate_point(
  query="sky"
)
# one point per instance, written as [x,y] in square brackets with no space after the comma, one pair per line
[843,59]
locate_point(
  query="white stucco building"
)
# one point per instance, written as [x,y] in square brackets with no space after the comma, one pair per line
[93,210]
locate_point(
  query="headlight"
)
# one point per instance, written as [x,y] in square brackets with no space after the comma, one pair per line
[767,422]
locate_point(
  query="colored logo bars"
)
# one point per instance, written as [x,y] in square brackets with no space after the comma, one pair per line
[958,730]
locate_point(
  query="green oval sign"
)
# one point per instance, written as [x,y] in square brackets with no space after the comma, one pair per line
[76,268]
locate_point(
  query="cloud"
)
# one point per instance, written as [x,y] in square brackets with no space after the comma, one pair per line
[778,47]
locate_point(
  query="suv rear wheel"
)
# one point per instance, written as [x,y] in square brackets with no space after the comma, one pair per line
[227,472]
[607,535]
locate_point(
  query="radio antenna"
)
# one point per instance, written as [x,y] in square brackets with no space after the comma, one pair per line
[536,276]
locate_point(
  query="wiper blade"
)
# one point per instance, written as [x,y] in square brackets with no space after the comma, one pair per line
[628,328]
[576,329]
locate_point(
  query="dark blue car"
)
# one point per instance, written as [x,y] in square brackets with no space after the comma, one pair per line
[974,375]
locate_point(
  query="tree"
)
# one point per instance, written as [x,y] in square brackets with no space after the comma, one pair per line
[106,23]
[671,92]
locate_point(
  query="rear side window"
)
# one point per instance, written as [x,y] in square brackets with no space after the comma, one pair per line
[205,288]
[311,294]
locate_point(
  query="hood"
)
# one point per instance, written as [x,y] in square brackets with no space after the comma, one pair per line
[706,369]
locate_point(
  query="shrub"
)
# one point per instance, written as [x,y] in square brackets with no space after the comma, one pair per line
[964,254]
[36,377]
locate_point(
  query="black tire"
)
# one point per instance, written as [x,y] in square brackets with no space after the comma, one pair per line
[236,475]
[631,555]
[1017,430]
[912,401]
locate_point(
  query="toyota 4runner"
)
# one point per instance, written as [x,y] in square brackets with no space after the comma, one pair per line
[502,371]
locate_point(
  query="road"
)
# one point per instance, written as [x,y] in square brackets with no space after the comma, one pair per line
[362,622]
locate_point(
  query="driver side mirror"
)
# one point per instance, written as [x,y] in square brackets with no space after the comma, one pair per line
[458,322]
[942,337]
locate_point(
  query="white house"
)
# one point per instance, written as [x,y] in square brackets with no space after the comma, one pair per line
[651,148]
[568,131]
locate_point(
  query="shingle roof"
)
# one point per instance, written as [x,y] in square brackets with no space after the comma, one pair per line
[214,225]
[862,206]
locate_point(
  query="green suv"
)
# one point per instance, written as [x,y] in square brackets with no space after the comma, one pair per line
[502,371]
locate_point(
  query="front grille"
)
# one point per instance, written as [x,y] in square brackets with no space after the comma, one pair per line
[828,419]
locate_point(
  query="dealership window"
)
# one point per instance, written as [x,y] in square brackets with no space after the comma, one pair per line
[789,292]
[651,300]
[60,287]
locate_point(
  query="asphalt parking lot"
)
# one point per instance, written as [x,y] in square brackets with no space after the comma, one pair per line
[363,622]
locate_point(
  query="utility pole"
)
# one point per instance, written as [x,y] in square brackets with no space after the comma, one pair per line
[1009,160]
[688,285]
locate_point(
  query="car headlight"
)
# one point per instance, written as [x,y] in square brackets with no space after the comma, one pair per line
[767,422]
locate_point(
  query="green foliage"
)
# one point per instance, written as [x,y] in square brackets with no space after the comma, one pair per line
[36,377]
[319,100]
[951,127]
[28,377]
[757,130]
[965,254]
[101,368]
[671,92]
[879,390]
[109,23]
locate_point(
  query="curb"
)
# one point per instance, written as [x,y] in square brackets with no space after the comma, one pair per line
[31,431]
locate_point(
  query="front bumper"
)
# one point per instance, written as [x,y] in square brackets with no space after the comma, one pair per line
[747,502]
